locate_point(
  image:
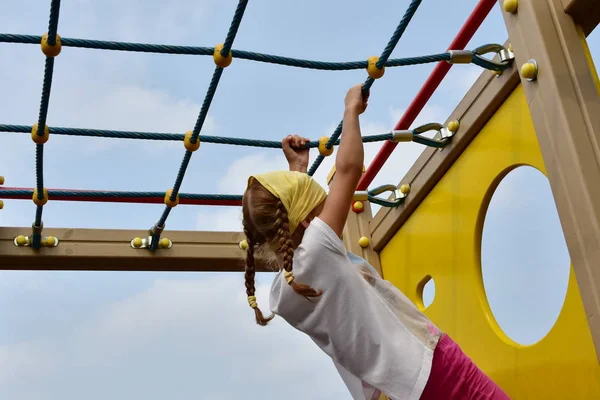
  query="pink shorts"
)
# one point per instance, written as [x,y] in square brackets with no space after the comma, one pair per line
[454,376]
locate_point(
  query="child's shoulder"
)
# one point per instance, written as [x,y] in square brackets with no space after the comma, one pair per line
[320,235]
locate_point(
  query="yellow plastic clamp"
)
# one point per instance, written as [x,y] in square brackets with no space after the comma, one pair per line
[188,144]
[37,138]
[168,200]
[51,50]
[38,201]
[372,69]
[221,61]
[323,150]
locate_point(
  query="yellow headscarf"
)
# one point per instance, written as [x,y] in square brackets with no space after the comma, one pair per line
[298,192]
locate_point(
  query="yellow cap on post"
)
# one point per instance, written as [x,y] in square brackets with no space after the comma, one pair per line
[364,242]
[1,180]
[529,70]
[21,240]
[137,242]
[405,189]
[1,204]
[49,241]
[51,50]
[372,69]
[164,243]
[453,126]
[510,6]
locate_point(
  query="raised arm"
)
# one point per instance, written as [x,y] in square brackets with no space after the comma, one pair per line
[348,163]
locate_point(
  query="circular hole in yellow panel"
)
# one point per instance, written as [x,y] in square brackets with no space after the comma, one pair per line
[524,258]
[425,292]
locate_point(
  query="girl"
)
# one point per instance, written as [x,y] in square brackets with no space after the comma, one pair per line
[378,340]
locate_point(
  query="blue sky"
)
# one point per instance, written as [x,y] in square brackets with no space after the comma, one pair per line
[155,335]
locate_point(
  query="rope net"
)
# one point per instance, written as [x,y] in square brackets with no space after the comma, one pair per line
[51,44]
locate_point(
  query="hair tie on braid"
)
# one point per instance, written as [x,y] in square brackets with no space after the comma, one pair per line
[252,301]
[289,276]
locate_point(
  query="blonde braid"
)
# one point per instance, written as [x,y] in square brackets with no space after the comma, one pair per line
[249,273]
[286,250]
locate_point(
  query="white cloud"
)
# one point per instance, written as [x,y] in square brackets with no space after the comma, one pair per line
[236,177]
[220,219]
[194,327]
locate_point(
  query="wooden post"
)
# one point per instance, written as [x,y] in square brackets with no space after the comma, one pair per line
[564,102]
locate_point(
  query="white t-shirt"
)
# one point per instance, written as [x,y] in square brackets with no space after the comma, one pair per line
[376,337]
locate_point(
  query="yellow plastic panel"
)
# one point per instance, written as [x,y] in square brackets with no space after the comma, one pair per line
[442,239]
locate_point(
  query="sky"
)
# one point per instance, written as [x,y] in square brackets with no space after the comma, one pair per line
[71,335]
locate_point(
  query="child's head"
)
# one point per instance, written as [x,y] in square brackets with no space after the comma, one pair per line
[277,207]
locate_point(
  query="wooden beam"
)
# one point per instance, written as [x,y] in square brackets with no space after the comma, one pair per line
[565,107]
[473,112]
[110,250]
[585,13]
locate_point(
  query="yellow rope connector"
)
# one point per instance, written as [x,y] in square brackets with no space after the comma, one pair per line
[38,201]
[529,70]
[188,144]
[168,200]
[364,242]
[252,301]
[40,139]
[372,69]
[165,243]
[323,150]
[221,61]
[137,242]
[405,189]
[243,245]
[1,180]
[453,126]
[51,50]
[1,204]
[289,276]
[510,6]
